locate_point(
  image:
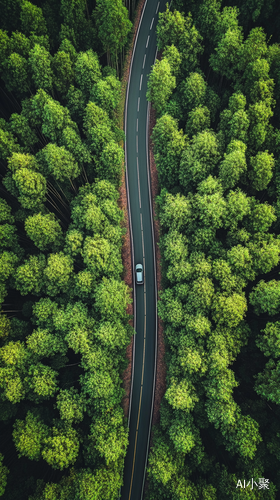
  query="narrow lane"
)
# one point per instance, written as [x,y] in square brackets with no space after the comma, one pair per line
[145,302]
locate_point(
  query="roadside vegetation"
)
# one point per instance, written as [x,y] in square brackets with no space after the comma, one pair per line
[63,324]
[216,92]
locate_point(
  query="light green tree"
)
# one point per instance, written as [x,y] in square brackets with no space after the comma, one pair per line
[169,144]
[44,230]
[198,120]
[15,74]
[229,310]
[161,84]
[174,28]
[111,299]
[63,72]
[32,19]
[59,162]
[265,297]
[58,273]
[29,277]
[111,163]
[40,67]
[87,71]
[113,26]
[174,58]
[261,170]
[233,165]
[29,436]
[61,448]
[199,159]
[71,405]
[193,91]
[42,380]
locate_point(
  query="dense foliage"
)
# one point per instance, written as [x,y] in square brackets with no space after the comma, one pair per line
[63,324]
[215,90]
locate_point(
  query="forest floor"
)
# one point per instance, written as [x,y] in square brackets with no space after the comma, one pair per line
[126,253]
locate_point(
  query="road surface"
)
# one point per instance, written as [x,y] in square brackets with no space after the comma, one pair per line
[143,251]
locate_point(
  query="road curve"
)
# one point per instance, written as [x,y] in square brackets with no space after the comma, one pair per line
[143,251]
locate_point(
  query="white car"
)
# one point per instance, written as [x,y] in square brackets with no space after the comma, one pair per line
[139,274]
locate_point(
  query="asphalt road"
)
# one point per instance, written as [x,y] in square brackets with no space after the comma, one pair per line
[143,252]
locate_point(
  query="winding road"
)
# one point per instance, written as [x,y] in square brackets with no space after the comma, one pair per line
[143,251]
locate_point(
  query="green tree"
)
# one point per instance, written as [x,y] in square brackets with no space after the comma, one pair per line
[259,115]
[55,118]
[43,343]
[198,120]
[267,382]
[43,380]
[161,84]
[71,405]
[73,242]
[113,335]
[199,159]
[209,205]
[97,127]
[63,72]
[181,395]
[241,261]
[29,436]
[59,162]
[110,436]
[99,256]
[234,164]
[20,43]
[104,483]
[169,144]
[261,217]
[29,275]
[111,163]
[5,45]
[175,211]
[61,448]
[76,103]
[265,297]
[72,141]
[87,71]
[226,57]
[29,187]
[8,144]
[40,67]
[111,299]
[8,262]
[262,170]
[58,273]
[32,19]
[174,29]
[106,93]
[19,126]
[229,310]
[193,91]
[174,58]
[113,27]
[269,339]
[4,471]
[238,206]
[44,231]
[15,74]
